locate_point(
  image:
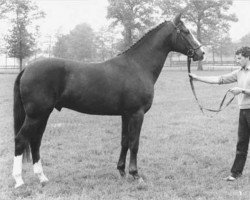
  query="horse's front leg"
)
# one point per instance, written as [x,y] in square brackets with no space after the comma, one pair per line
[124,146]
[134,129]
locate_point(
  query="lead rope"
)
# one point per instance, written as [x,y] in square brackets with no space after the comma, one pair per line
[192,85]
[194,93]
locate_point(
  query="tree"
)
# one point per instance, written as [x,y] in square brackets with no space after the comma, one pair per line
[245,40]
[77,45]
[106,43]
[224,46]
[135,16]
[20,41]
[4,8]
[207,16]
[60,49]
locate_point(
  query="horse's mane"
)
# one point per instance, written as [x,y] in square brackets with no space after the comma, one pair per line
[146,35]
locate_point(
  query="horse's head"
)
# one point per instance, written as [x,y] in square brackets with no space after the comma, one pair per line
[183,41]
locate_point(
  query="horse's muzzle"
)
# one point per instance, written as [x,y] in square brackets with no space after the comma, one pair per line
[198,55]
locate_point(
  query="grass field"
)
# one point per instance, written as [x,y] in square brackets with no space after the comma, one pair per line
[183,154]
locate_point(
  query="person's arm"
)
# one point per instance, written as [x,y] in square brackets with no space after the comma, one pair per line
[223,79]
[246,91]
[206,79]
[238,90]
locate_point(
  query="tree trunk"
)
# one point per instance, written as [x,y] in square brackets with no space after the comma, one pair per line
[171,59]
[128,37]
[130,41]
[6,60]
[221,61]
[200,68]
[20,64]
[213,56]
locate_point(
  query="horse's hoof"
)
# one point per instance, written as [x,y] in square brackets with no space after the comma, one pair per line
[141,181]
[142,185]
[19,180]
[135,175]
[18,185]
[44,179]
[122,173]
[44,183]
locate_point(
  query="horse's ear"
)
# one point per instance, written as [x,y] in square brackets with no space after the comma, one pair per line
[177,19]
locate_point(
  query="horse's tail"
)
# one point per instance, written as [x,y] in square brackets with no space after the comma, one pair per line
[19,114]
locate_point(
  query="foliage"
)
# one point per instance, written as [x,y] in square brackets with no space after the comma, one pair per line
[245,40]
[135,16]
[210,18]
[60,49]
[77,45]
[20,41]
[106,44]
[222,45]
[4,8]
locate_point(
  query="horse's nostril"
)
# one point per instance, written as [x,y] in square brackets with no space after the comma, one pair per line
[203,53]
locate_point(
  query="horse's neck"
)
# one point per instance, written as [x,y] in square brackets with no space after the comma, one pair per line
[151,54]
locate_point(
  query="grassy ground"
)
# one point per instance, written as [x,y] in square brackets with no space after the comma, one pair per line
[183,154]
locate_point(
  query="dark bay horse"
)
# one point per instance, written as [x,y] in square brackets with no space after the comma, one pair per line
[123,85]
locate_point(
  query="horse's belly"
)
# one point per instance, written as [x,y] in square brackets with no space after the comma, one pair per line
[95,111]
[94,105]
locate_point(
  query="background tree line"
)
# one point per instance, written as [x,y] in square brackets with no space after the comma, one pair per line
[21,40]
[208,19]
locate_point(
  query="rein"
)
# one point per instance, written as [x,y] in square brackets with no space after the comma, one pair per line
[192,85]
[190,53]
[194,93]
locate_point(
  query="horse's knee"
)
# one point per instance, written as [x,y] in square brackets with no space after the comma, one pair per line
[124,142]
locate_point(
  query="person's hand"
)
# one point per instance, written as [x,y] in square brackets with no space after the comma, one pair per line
[236,90]
[193,76]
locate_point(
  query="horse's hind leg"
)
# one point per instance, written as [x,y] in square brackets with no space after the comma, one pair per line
[35,143]
[124,146]
[21,145]
[31,132]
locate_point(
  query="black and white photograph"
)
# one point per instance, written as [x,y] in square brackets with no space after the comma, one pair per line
[124,99]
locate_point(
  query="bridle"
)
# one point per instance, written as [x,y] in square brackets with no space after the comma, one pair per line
[190,54]
[191,50]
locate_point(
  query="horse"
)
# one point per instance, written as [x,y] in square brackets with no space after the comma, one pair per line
[121,86]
